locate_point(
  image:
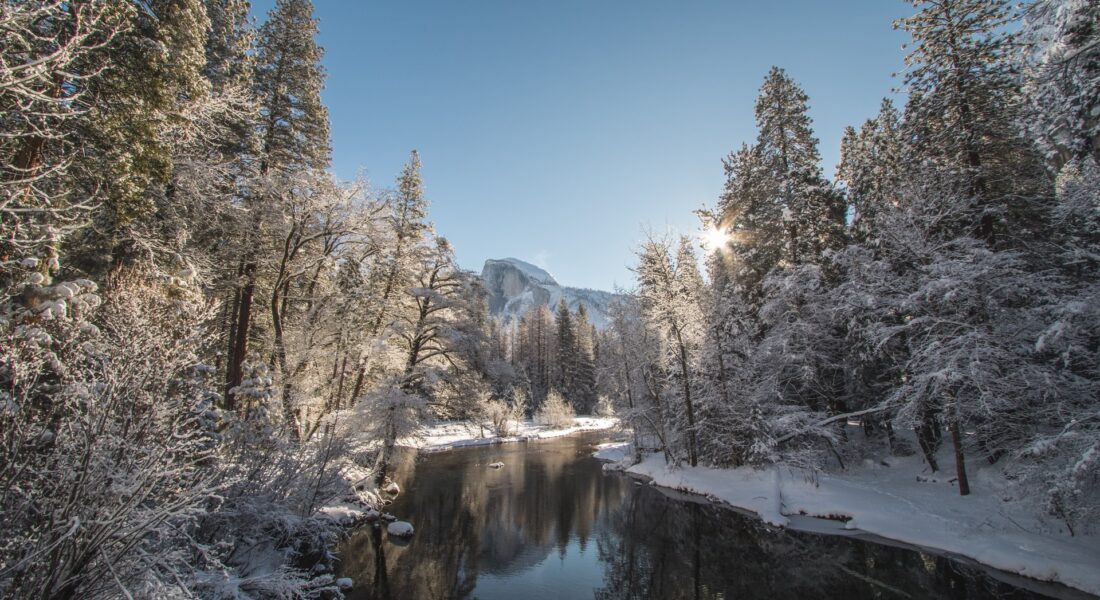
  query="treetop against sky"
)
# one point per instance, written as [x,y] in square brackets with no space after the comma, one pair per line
[555,132]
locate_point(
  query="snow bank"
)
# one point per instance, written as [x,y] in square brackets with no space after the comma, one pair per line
[451,435]
[344,513]
[890,502]
[612,451]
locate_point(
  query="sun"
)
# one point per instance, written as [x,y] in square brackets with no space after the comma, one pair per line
[714,238]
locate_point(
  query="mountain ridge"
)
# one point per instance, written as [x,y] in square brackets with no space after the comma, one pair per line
[516,286]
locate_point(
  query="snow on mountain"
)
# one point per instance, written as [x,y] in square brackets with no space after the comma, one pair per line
[536,273]
[516,287]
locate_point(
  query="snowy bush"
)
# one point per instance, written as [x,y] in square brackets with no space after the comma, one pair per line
[503,418]
[1064,468]
[604,407]
[555,411]
[112,432]
[266,537]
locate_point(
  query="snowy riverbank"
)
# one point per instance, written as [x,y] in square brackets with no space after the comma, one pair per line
[451,435]
[440,437]
[896,499]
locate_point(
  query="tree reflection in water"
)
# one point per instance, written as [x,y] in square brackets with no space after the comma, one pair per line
[551,524]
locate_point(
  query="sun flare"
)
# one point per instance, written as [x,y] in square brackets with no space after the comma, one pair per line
[714,238]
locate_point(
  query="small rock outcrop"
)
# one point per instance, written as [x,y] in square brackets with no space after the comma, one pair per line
[400,529]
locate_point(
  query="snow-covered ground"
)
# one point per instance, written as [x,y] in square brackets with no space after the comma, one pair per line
[459,434]
[888,500]
[615,452]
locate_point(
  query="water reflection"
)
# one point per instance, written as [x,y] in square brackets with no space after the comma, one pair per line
[550,524]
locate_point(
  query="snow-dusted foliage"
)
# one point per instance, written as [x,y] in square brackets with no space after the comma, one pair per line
[1061,59]
[1061,459]
[505,416]
[953,304]
[555,411]
[190,304]
[40,41]
[670,293]
[109,424]
[262,535]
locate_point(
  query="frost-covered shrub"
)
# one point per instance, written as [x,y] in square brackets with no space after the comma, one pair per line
[501,417]
[604,407]
[1064,468]
[389,413]
[504,416]
[263,535]
[555,411]
[110,433]
[253,399]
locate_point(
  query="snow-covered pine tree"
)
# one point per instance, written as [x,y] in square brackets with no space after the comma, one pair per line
[871,163]
[749,212]
[584,381]
[565,376]
[812,212]
[1061,61]
[293,137]
[964,103]
[288,80]
[52,56]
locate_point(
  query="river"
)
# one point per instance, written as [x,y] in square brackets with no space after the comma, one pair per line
[551,524]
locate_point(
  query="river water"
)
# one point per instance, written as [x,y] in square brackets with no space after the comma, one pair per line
[550,524]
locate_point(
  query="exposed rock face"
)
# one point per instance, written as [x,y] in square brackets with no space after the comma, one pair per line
[516,287]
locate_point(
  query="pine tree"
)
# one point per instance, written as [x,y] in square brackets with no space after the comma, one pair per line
[1061,58]
[53,57]
[533,351]
[584,381]
[294,137]
[142,107]
[288,80]
[566,363]
[228,44]
[871,163]
[811,211]
[230,68]
[751,215]
[963,105]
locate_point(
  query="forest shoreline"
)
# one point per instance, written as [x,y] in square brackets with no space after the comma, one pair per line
[455,435]
[864,505]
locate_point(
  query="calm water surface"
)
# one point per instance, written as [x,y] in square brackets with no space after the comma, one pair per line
[551,524]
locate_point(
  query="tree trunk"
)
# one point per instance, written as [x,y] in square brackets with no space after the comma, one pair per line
[630,405]
[693,456]
[890,437]
[290,410]
[362,370]
[340,385]
[926,439]
[231,343]
[244,325]
[960,460]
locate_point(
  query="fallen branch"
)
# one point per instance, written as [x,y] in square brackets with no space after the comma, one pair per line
[832,419]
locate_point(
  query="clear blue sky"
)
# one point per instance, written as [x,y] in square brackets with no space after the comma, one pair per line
[554,131]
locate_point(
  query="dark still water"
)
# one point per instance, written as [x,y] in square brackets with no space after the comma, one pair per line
[551,524]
